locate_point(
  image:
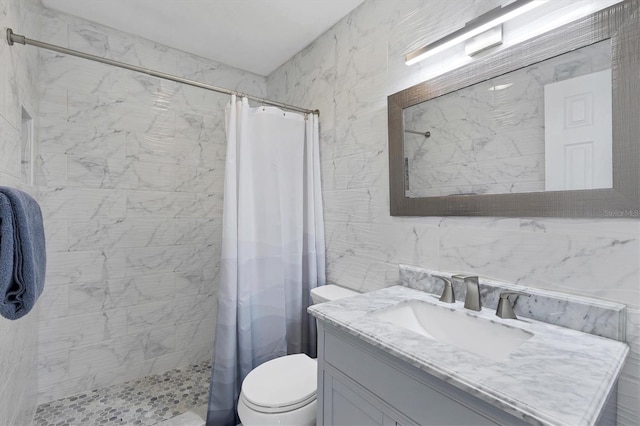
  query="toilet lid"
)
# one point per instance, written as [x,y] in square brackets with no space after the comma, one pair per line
[282,384]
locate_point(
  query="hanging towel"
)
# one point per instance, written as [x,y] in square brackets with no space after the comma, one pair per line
[22,253]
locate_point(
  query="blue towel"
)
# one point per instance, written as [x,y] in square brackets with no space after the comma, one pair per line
[22,253]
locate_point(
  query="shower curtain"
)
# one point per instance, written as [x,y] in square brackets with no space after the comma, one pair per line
[272,247]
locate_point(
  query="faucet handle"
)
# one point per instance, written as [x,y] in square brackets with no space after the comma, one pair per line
[447,293]
[505,309]
[472,299]
[465,277]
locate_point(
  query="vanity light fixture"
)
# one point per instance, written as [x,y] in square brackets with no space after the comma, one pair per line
[484,41]
[500,87]
[474,27]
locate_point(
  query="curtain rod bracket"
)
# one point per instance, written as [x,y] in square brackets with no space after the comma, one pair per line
[14,38]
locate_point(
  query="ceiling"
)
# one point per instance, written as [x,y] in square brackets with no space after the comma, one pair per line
[254,35]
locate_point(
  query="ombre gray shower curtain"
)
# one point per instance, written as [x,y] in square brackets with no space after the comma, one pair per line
[273,249]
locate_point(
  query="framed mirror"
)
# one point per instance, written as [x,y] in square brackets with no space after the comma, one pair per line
[549,127]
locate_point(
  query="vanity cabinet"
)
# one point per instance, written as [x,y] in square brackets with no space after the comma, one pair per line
[359,384]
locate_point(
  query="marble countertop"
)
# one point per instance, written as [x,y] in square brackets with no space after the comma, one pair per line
[559,376]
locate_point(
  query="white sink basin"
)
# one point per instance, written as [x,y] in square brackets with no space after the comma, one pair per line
[456,328]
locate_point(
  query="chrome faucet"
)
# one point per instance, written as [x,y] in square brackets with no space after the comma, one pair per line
[472,299]
[505,309]
[447,293]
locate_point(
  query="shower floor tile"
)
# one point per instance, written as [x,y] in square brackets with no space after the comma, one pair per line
[146,401]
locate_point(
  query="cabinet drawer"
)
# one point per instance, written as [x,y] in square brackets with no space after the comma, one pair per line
[395,384]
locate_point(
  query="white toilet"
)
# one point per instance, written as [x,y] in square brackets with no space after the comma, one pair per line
[283,391]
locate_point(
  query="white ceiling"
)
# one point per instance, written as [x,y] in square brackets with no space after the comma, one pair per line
[254,35]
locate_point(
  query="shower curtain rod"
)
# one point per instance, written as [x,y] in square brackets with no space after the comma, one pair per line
[17,38]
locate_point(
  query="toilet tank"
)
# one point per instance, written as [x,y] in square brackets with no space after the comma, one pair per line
[330,292]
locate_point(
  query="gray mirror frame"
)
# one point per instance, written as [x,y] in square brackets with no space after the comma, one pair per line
[621,24]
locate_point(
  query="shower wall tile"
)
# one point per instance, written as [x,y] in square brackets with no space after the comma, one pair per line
[131,182]
[53,367]
[19,80]
[72,331]
[94,172]
[348,73]
[158,204]
[121,233]
[55,302]
[59,203]
[154,260]
[195,333]
[163,149]
[53,169]
[58,137]
[11,150]
[197,283]
[65,268]
[148,176]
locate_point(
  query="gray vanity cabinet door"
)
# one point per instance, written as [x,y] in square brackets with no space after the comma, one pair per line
[344,407]
[363,386]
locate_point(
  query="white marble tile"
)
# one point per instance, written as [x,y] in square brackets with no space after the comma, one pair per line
[203,205]
[354,205]
[200,179]
[149,315]
[595,266]
[159,204]
[147,345]
[65,268]
[92,297]
[92,359]
[161,149]
[199,282]
[115,113]
[121,233]
[148,176]
[79,75]
[53,367]
[56,136]
[198,231]
[69,332]
[196,333]
[10,148]
[156,260]
[94,172]
[52,170]
[54,302]
[202,306]
[362,170]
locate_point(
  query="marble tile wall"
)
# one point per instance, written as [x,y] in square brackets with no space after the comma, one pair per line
[18,89]
[131,188]
[348,73]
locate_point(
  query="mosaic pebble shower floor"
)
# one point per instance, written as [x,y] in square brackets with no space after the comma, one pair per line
[146,401]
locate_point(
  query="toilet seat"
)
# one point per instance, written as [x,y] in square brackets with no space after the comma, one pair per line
[281,385]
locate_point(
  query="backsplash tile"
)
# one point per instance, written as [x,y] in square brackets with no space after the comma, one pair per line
[593,316]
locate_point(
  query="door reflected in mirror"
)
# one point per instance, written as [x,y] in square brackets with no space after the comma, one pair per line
[544,127]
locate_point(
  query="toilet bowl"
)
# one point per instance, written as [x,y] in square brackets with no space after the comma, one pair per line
[283,391]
